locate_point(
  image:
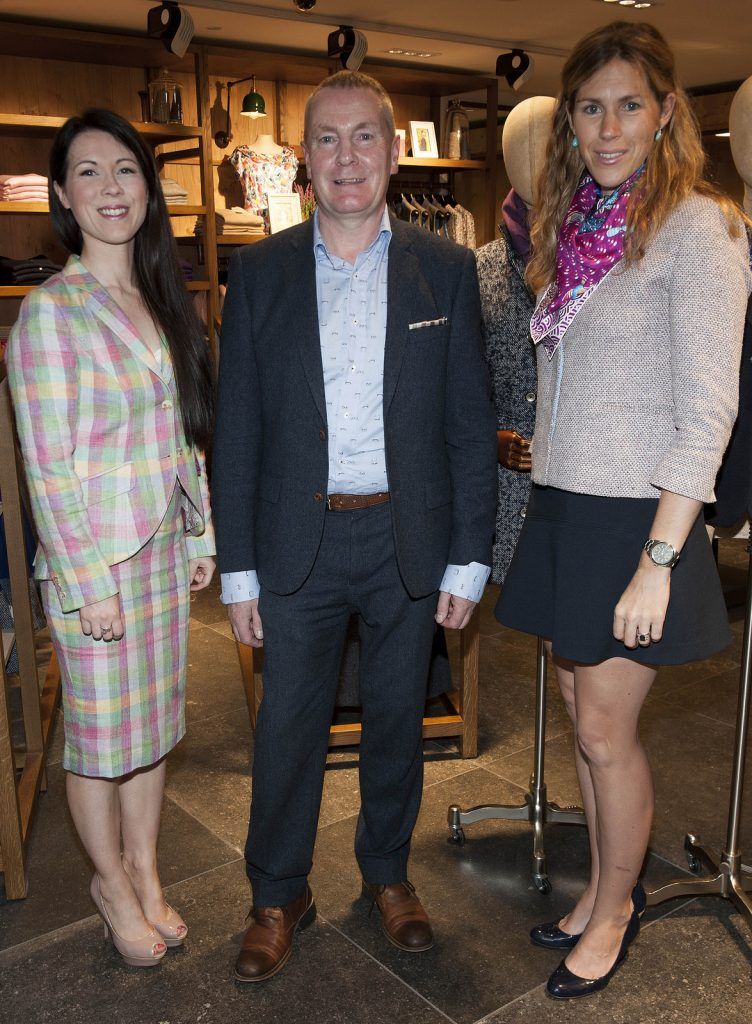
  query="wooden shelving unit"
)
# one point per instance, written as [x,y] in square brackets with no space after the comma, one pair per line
[22,771]
[65,67]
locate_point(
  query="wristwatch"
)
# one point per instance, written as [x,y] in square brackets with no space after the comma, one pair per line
[661,553]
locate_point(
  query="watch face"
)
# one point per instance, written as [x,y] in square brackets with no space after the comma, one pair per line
[662,553]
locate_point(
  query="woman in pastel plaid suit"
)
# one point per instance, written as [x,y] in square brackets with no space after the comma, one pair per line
[112,387]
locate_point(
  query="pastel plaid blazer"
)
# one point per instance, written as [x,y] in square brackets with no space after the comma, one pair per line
[101,436]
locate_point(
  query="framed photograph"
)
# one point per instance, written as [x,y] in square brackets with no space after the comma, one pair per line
[403,143]
[284,211]
[423,139]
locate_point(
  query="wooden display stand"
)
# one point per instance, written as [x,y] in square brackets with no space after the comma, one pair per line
[459,721]
[22,773]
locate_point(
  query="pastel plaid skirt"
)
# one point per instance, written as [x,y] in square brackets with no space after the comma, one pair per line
[124,701]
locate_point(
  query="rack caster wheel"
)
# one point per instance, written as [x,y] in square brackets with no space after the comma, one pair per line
[693,861]
[694,864]
[542,884]
[457,838]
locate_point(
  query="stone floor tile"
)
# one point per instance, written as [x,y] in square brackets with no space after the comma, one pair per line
[72,977]
[59,871]
[691,967]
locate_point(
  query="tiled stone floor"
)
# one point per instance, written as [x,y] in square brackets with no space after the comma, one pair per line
[692,963]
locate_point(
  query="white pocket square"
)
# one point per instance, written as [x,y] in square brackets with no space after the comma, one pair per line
[428,323]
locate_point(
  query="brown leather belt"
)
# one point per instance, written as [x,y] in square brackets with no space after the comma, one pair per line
[353,502]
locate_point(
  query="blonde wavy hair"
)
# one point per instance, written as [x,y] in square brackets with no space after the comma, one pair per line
[675,165]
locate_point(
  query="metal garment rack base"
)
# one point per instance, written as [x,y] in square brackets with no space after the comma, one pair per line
[536,809]
[726,873]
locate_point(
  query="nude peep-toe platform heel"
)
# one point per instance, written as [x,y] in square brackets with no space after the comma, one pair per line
[146,951]
[173,928]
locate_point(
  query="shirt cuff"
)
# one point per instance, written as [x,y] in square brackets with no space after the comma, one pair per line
[239,586]
[466,581]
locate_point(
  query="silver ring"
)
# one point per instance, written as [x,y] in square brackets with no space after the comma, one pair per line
[643,638]
[106,629]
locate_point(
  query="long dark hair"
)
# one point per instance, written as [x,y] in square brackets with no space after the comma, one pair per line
[156,265]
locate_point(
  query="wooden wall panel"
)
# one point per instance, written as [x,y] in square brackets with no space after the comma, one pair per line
[60,88]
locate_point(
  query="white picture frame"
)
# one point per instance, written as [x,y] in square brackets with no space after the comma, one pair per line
[284,211]
[402,133]
[423,139]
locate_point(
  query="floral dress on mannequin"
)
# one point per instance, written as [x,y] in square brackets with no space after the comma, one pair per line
[262,174]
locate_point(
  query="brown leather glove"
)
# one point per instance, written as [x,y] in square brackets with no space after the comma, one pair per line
[513,450]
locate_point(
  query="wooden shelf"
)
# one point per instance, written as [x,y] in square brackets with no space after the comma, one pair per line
[221,239]
[174,210]
[12,291]
[434,163]
[41,126]
[441,164]
[185,211]
[9,207]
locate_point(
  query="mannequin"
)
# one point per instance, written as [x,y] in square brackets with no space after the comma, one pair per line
[523,142]
[266,145]
[264,168]
[734,484]
[740,126]
[507,305]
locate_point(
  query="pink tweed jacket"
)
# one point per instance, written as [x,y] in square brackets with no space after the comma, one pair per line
[101,436]
[643,392]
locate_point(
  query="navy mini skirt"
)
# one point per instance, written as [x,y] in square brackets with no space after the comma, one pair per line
[575,556]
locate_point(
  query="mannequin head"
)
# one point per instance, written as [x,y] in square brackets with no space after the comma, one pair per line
[523,141]
[740,126]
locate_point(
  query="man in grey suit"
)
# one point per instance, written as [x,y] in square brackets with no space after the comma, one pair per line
[354,470]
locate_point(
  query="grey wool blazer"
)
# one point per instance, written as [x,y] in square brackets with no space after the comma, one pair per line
[642,393]
[506,307]
[270,457]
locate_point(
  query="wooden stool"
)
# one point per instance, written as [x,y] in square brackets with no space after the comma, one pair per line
[457,718]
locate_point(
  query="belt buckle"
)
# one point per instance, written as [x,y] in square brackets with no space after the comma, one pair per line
[329,502]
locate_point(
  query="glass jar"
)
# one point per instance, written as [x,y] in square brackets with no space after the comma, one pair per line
[456,132]
[165,99]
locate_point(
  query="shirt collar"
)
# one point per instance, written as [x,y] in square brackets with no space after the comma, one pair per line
[382,238]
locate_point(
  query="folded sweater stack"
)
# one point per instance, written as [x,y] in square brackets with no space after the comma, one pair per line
[30,271]
[174,193]
[23,188]
[235,221]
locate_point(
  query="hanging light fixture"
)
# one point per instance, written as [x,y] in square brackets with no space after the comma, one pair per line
[254,105]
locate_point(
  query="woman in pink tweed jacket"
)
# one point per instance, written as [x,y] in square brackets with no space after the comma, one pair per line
[642,270]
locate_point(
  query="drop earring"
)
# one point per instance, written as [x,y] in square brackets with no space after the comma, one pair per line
[659,135]
[575,142]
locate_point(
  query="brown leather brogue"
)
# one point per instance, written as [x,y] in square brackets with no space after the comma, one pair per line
[267,943]
[403,919]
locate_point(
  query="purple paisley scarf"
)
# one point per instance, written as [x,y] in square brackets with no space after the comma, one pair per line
[591,243]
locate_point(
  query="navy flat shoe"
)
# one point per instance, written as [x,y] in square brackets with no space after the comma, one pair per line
[551,936]
[563,984]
